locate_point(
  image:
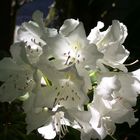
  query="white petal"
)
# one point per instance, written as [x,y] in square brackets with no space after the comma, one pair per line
[120,113]
[28,104]
[120,30]
[136,74]
[68,26]
[7,67]
[18,84]
[58,48]
[31,28]
[89,56]
[94,36]
[130,88]
[115,33]
[116,53]
[109,42]
[95,122]
[47,131]
[18,53]
[75,34]
[83,118]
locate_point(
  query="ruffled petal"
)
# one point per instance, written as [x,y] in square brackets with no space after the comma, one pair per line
[107,85]
[69,26]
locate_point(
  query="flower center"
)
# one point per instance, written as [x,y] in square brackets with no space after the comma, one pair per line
[74,55]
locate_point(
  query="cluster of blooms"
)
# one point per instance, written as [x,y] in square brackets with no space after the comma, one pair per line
[54,71]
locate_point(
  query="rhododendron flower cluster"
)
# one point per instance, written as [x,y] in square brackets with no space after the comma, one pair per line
[54,71]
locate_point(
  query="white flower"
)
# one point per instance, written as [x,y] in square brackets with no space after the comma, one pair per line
[32,33]
[71,47]
[110,42]
[106,113]
[119,85]
[114,97]
[48,104]
[33,43]
[66,90]
[54,70]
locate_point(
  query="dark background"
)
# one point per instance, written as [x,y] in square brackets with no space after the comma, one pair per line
[12,124]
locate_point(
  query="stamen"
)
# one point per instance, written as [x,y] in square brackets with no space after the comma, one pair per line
[130,64]
[63,130]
